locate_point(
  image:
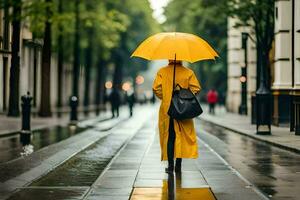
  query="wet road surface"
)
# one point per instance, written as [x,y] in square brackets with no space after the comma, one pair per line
[274,171]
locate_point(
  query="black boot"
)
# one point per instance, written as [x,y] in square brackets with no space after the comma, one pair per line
[178,165]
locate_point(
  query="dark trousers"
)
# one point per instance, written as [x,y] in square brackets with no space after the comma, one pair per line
[114,109]
[212,108]
[131,109]
[171,143]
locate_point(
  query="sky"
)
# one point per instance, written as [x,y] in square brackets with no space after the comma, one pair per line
[158,9]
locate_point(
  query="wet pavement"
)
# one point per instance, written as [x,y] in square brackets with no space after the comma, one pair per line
[138,174]
[152,183]
[50,194]
[14,146]
[84,168]
[120,159]
[23,170]
[273,171]
[73,178]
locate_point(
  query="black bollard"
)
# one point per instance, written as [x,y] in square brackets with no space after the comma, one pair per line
[25,139]
[73,105]
[26,112]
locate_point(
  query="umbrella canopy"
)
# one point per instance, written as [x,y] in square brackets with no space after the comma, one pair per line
[175,46]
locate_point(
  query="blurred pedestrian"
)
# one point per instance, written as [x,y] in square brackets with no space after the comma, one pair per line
[153,98]
[130,98]
[212,99]
[115,100]
[177,137]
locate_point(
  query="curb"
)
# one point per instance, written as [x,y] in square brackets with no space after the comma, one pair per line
[292,149]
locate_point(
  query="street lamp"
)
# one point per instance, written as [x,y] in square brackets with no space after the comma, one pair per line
[243,79]
[263,104]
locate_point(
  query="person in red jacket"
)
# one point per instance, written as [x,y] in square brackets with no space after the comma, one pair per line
[212,99]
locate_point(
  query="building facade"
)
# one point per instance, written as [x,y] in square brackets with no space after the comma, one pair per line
[286,83]
[285,69]
[30,69]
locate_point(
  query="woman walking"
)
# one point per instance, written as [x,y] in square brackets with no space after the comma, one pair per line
[177,137]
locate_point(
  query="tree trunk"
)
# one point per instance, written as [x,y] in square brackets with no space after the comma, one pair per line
[60,66]
[45,106]
[35,72]
[6,39]
[88,66]
[266,65]
[76,53]
[118,55]
[100,89]
[89,62]
[118,73]
[258,63]
[13,109]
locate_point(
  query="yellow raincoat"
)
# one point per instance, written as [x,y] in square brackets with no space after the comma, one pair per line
[186,140]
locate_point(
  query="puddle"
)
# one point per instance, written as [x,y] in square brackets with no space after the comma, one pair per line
[172,189]
[18,145]
[15,146]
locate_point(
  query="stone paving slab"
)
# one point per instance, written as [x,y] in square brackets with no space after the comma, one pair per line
[281,136]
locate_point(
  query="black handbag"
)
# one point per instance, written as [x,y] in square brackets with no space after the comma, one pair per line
[184,103]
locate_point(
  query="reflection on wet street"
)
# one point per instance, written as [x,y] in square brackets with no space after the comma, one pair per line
[274,171]
[172,189]
[14,146]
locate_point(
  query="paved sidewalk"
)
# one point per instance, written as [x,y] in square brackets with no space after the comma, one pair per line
[281,136]
[19,173]
[138,174]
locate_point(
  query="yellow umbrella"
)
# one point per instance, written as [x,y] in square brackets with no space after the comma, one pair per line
[175,46]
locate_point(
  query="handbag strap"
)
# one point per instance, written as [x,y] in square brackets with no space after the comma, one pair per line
[174,87]
[174,75]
